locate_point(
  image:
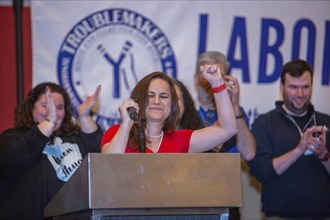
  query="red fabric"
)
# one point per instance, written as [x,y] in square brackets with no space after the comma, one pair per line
[8,76]
[178,142]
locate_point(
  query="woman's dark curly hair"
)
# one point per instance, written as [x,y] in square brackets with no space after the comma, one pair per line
[24,117]
[190,118]
[140,96]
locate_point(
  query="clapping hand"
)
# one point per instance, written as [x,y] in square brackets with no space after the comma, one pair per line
[233,89]
[316,140]
[51,115]
[85,108]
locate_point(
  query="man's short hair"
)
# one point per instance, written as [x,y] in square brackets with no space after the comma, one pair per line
[296,68]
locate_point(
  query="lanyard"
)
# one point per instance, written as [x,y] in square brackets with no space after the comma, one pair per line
[297,126]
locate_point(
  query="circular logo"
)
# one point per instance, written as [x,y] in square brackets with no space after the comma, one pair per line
[113,48]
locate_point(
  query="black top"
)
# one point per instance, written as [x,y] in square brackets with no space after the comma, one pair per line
[28,180]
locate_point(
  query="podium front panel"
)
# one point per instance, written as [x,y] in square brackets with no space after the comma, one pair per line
[152,181]
[165,180]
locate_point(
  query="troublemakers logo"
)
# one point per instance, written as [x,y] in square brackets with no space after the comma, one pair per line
[114,48]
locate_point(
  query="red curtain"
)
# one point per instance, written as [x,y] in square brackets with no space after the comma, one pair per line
[8,78]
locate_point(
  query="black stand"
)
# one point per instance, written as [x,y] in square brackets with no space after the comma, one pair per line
[142,137]
[19,50]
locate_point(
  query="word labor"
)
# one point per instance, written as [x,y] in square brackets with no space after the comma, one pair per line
[302,29]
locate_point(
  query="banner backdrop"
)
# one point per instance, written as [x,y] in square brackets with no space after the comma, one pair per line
[115,43]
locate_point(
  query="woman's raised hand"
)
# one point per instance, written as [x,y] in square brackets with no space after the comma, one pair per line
[85,107]
[51,115]
[212,74]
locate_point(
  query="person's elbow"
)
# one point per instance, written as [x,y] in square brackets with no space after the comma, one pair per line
[104,148]
[248,156]
[250,150]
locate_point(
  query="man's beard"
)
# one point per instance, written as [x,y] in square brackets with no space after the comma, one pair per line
[292,108]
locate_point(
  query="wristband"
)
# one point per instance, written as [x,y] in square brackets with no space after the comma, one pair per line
[239,115]
[219,88]
[326,157]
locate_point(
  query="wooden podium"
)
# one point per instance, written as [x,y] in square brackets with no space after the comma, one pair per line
[150,186]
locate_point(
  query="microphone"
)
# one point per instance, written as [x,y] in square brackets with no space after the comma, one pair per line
[132,113]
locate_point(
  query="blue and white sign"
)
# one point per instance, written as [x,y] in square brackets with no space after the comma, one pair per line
[115,43]
[106,48]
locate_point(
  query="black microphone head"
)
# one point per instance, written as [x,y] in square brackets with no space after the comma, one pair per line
[132,113]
